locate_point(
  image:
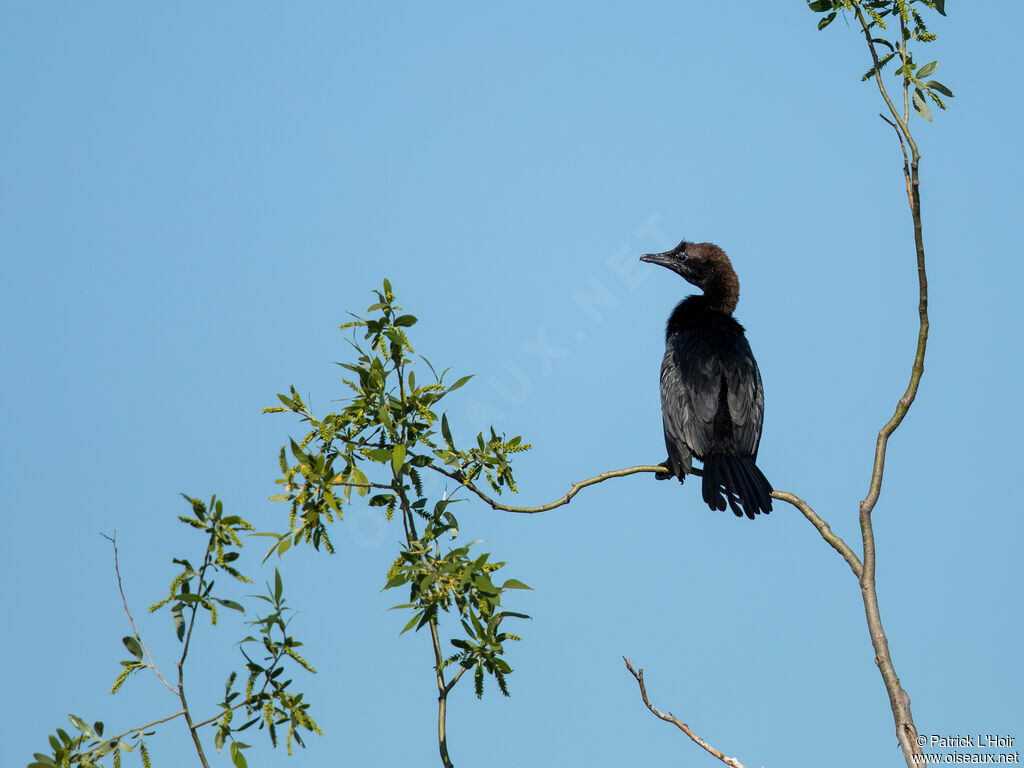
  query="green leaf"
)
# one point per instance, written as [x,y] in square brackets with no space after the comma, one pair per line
[358,477]
[396,581]
[237,757]
[81,725]
[505,614]
[935,85]
[515,584]
[921,106]
[278,586]
[412,622]
[379,455]
[927,69]
[387,286]
[483,583]
[827,20]
[280,497]
[398,459]
[230,604]
[940,6]
[405,320]
[179,622]
[458,383]
[445,430]
[298,453]
[284,546]
[133,646]
[819,6]
[43,760]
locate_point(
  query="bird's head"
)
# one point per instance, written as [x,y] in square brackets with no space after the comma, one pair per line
[706,266]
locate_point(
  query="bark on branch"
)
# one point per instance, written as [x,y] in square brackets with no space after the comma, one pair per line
[670,718]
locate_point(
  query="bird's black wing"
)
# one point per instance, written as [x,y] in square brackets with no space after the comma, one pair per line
[690,385]
[696,363]
[745,395]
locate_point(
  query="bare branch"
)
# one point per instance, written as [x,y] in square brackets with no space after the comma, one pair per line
[899,700]
[823,527]
[576,487]
[131,620]
[837,543]
[670,718]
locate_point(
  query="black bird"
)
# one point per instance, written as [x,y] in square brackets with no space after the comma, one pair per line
[712,400]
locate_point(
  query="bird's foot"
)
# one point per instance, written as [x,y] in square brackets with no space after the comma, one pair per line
[666,474]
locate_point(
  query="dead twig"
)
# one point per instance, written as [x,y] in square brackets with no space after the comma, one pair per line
[670,718]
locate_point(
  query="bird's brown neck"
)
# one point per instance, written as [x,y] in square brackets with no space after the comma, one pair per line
[722,290]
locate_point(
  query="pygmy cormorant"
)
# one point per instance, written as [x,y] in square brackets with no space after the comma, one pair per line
[712,400]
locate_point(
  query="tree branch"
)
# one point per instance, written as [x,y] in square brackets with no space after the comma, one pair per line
[670,718]
[903,123]
[576,487]
[455,679]
[823,527]
[899,700]
[131,620]
[442,696]
[181,664]
[338,481]
[833,539]
[139,729]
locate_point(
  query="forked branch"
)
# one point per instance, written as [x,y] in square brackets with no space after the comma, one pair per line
[899,699]
[670,718]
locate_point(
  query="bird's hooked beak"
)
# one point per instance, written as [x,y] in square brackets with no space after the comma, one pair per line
[664,259]
[668,259]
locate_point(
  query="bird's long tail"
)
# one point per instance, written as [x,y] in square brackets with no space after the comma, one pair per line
[741,481]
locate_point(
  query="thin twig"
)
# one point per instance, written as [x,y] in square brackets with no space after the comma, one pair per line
[181,663]
[833,539]
[139,729]
[131,620]
[878,72]
[670,718]
[823,527]
[255,697]
[576,487]
[906,160]
[338,481]
[454,680]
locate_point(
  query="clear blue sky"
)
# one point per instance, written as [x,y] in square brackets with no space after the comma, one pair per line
[191,197]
